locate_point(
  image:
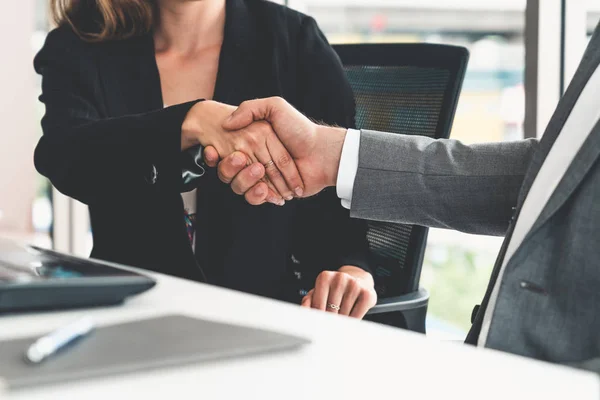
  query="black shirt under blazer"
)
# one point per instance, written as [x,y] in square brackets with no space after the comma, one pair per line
[105,127]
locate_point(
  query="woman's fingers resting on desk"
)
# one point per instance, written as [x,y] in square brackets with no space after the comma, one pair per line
[347,291]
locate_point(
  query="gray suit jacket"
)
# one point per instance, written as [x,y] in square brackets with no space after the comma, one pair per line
[480,189]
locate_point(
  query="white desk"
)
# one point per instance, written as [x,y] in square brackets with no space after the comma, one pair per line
[348,359]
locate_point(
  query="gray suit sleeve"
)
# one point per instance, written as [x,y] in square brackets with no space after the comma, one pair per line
[439,183]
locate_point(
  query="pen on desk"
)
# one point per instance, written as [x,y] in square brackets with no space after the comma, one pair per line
[55,341]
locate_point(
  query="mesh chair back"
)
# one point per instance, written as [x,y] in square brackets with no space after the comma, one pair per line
[411,89]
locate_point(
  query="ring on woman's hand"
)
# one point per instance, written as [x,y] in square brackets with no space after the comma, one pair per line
[331,305]
[269,164]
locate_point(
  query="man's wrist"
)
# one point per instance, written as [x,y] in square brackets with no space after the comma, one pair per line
[335,142]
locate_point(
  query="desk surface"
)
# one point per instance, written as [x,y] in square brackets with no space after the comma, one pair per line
[348,359]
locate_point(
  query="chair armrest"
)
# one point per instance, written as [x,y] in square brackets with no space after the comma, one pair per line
[405,302]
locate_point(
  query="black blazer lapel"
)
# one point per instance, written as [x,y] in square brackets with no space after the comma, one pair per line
[239,77]
[129,70]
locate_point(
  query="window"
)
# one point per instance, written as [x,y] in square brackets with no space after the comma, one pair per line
[592,16]
[25,201]
[457,266]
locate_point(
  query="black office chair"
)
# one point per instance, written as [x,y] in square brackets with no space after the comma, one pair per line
[410,89]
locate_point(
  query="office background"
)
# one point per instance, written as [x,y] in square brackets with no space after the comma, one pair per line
[492,108]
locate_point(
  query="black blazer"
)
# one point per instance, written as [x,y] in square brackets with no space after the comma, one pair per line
[105,127]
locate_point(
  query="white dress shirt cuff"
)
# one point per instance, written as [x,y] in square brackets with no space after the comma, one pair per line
[348,167]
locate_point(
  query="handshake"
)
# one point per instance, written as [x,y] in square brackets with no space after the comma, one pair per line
[268,151]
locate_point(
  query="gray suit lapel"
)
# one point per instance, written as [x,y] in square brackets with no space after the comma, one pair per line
[586,155]
[583,162]
[589,62]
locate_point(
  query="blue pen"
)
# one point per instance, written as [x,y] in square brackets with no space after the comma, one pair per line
[55,341]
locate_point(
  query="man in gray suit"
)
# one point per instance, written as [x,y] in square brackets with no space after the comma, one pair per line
[543,300]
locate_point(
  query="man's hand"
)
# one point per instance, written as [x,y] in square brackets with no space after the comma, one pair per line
[347,291]
[203,125]
[315,149]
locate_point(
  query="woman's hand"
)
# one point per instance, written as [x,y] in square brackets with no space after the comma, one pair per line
[347,291]
[203,125]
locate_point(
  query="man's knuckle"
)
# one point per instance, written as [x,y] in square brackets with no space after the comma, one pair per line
[284,160]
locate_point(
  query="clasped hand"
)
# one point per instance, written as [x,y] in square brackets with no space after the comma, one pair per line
[255,144]
[270,152]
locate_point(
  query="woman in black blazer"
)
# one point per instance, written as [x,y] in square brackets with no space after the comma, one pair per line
[111,140]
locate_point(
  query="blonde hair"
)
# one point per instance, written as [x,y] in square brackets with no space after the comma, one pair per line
[103,20]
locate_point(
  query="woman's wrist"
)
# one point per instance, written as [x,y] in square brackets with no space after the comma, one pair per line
[192,133]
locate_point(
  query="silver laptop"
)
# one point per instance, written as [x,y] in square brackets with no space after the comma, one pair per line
[34,279]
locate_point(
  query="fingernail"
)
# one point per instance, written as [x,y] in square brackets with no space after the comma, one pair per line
[299,191]
[256,170]
[289,197]
[276,201]
[237,160]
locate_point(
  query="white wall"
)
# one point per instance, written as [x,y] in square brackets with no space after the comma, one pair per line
[18,118]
